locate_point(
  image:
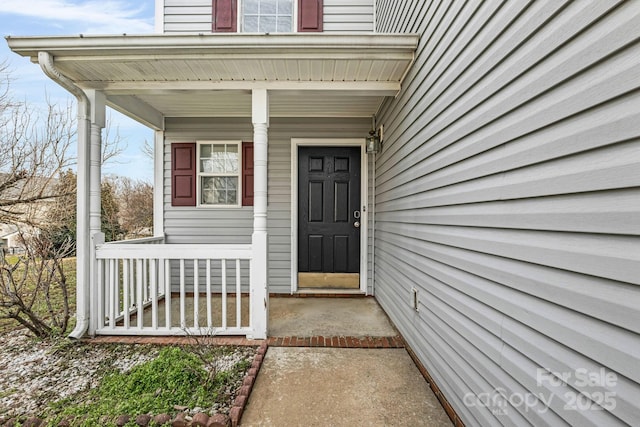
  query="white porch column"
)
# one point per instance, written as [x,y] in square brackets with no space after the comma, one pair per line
[98,113]
[158,184]
[259,292]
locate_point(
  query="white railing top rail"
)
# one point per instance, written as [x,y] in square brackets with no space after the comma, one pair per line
[141,240]
[173,251]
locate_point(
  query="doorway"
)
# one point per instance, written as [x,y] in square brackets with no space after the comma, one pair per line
[329,217]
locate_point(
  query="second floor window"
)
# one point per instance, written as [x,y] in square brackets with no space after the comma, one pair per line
[267,16]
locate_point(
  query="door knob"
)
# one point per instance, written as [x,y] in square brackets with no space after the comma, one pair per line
[356,224]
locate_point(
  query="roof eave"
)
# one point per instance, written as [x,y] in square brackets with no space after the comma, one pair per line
[320,44]
[349,74]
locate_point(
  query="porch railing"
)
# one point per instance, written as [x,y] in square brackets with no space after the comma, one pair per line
[146,287]
[155,240]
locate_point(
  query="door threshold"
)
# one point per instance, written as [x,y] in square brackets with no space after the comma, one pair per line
[339,281]
[328,292]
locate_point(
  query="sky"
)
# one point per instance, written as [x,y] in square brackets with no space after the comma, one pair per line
[72,17]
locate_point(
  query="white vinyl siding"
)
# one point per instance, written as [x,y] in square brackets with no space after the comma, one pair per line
[235,225]
[194,16]
[347,15]
[508,194]
[187,16]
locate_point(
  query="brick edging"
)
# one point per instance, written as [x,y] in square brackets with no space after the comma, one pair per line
[240,402]
[337,341]
[453,416]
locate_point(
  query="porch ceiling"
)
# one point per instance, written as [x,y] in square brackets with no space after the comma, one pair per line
[154,76]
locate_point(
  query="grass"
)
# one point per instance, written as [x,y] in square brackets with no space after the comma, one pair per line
[175,377]
[184,376]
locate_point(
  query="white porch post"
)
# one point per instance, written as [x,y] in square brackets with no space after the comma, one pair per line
[158,184]
[259,293]
[98,113]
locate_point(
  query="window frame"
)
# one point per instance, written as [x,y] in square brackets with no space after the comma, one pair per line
[200,174]
[294,19]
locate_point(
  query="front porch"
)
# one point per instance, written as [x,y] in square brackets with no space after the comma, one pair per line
[213,273]
[339,321]
[151,288]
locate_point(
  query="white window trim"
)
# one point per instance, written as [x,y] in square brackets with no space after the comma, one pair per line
[199,173]
[294,18]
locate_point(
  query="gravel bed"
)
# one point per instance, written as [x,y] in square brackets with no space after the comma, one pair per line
[35,373]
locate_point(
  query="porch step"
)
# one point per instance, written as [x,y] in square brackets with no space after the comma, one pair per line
[338,342]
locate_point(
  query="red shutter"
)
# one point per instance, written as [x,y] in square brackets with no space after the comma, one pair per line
[225,16]
[310,15]
[183,174]
[247,174]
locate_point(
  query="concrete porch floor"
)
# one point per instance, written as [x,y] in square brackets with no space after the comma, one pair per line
[311,316]
[288,316]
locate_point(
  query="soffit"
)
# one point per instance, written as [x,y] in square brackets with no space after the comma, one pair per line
[232,103]
[212,75]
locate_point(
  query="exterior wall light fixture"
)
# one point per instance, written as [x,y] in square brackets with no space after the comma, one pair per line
[374,142]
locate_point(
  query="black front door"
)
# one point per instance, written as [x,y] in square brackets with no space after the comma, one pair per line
[329,210]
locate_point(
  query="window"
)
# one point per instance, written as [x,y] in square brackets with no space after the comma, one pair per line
[219,174]
[267,16]
[214,166]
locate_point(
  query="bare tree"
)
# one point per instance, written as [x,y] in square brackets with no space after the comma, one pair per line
[34,287]
[38,195]
[5,99]
[113,144]
[34,148]
[135,205]
[147,150]
[60,217]
[110,212]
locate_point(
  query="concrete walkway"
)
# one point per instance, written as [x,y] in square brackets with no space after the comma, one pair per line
[325,386]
